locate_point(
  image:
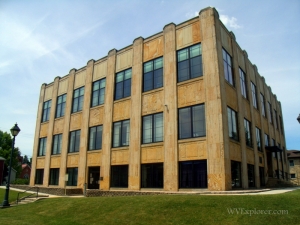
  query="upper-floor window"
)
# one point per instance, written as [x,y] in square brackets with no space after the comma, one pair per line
[98,92]
[262,101]
[189,63]
[42,147]
[57,141]
[270,112]
[258,139]
[121,132]
[74,142]
[78,99]
[266,140]
[153,74]
[254,98]
[275,119]
[61,105]
[281,123]
[123,84]
[227,67]
[232,124]
[192,122]
[95,141]
[243,83]
[46,111]
[153,127]
[247,126]
[292,163]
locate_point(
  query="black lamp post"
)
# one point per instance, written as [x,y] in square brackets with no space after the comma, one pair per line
[14,131]
[298,118]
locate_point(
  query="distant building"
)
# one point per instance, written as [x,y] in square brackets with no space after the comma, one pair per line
[294,162]
[25,173]
[182,109]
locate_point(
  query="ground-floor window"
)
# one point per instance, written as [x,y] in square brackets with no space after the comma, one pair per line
[152,175]
[293,176]
[72,176]
[236,180]
[251,177]
[119,176]
[193,174]
[39,176]
[54,176]
[262,176]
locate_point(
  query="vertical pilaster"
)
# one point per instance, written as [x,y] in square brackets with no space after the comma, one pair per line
[170,112]
[65,136]
[37,134]
[50,132]
[107,121]
[84,133]
[135,118]
[218,161]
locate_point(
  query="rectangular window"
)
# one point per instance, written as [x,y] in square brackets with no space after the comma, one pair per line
[236,180]
[98,92]
[54,176]
[292,163]
[232,124]
[193,174]
[192,122]
[78,100]
[121,133]
[123,84]
[57,140]
[119,176]
[153,128]
[95,141]
[266,140]
[248,135]
[293,175]
[46,111]
[227,67]
[243,83]
[152,175]
[254,98]
[39,176]
[275,119]
[153,74]
[281,123]
[262,176]
[61,105]
[72,176]
[251,177]
[42,147]
[189,63]
[258,139]
[74,142]
[270,112]
[262,101]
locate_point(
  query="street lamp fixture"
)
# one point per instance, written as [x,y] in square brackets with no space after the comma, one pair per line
[14,131]
[298,118]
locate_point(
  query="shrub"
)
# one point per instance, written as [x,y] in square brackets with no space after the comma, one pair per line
[21,181]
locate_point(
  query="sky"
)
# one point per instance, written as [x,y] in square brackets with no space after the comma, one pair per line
[40,40]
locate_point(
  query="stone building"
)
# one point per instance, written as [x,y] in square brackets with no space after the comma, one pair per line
[294,163]
[180,110]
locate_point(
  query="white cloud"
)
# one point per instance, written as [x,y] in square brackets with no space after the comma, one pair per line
[230,22]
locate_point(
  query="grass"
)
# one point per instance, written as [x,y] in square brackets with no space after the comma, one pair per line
[160,209]
[12,196]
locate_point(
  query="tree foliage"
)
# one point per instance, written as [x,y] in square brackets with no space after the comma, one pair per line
[5,151]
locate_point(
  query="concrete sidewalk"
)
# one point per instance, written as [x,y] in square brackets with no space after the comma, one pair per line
[267,191]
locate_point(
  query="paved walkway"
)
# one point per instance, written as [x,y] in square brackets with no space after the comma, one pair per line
[267,191]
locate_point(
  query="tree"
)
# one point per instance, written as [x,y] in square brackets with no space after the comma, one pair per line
[26,160]
[5,152]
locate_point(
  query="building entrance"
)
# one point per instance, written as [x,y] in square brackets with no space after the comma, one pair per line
[94,176]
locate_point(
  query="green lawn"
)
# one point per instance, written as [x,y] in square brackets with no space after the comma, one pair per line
[160,209]
[12,196]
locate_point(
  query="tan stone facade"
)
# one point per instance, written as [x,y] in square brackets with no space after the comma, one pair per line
[216,150]
[294,163]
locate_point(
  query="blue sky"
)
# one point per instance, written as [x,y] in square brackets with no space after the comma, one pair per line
[40,40]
